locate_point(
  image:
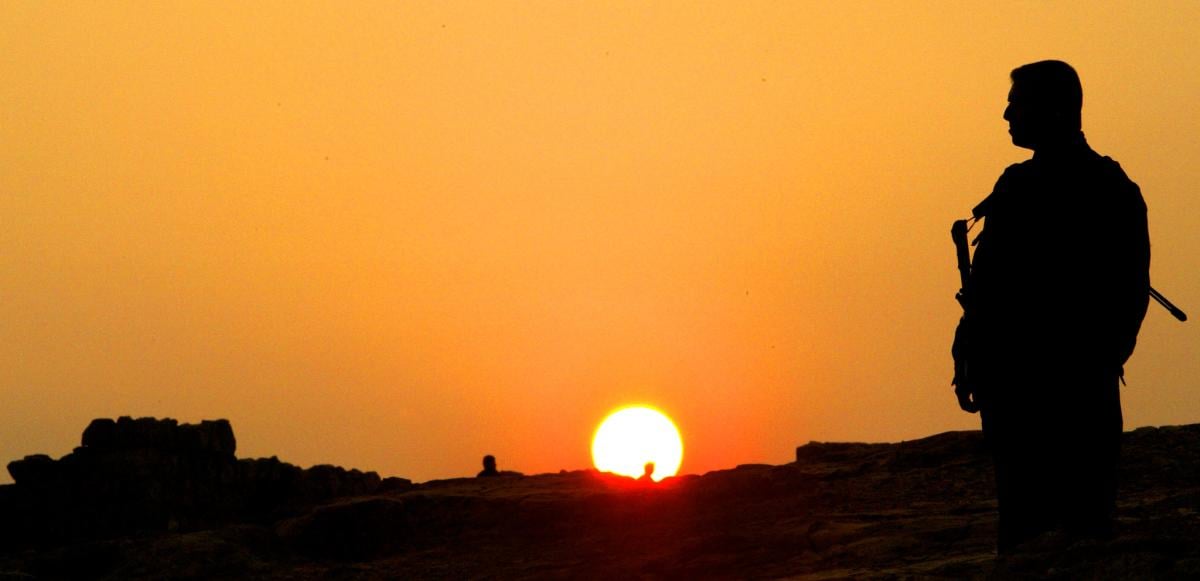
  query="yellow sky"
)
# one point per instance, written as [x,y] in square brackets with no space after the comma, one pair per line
[398,236]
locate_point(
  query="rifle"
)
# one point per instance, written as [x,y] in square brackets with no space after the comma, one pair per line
[958,233]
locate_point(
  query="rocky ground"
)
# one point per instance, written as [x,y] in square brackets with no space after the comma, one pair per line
[919,509]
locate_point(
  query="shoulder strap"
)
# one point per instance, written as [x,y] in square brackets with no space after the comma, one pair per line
[983,208]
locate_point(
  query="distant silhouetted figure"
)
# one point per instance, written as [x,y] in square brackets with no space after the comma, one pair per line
[647,473]
[1057,292]
[489,467]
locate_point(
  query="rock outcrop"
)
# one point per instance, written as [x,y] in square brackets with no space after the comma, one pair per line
[146,475]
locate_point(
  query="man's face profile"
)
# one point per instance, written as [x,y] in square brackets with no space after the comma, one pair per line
[1037,117]
[1022,117]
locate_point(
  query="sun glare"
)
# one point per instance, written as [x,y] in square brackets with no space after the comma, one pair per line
[630,437]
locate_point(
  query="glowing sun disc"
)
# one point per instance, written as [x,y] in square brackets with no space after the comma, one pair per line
[630,437]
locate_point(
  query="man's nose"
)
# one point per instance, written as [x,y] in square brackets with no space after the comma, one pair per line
[1008,113]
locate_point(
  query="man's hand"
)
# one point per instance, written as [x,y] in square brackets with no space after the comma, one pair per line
[962,389]
[966,398]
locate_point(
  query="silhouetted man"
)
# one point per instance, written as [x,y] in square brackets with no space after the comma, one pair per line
[647,473]
[489,467]
[1057,292]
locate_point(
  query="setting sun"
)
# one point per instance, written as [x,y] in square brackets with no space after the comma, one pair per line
[631,437]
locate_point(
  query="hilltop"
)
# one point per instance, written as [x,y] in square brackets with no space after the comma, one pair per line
[919,508]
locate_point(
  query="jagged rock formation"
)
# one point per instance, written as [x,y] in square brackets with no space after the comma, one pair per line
[140,476]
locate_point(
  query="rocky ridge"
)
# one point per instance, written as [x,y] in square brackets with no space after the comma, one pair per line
[146,476]
[916,509]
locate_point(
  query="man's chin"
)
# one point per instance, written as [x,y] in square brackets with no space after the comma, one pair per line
[1021,141]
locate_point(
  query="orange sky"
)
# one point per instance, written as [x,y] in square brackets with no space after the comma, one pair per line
[400,236]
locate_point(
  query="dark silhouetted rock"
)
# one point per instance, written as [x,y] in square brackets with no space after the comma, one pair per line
[101,433]
[126,433]
[814,452]
[394,484]
[325,481]
[33,471]
[208,436]
[146,475]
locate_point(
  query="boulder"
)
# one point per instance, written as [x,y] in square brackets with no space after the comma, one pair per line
[101,433]
[214,436]
[144,475]
[33,471]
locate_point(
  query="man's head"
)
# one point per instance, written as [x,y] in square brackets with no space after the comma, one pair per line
[1044,104]
[489,463]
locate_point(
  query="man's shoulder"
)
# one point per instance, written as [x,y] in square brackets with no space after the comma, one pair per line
[1101,168]
[1020,168]
[1126,195]
[1112,169]
[1014,178]
[1017,173]
[1110,177]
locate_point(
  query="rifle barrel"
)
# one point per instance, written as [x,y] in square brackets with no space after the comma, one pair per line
[1171,308]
